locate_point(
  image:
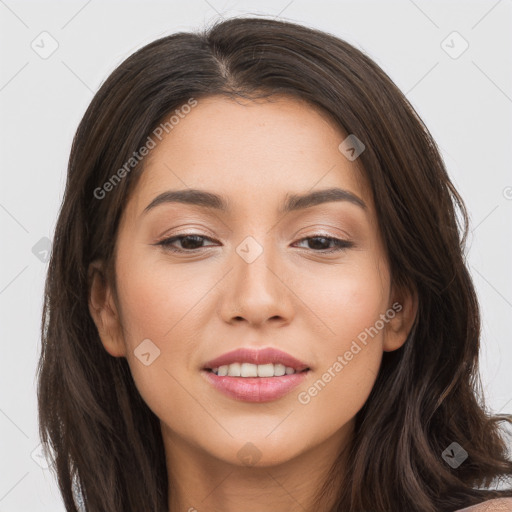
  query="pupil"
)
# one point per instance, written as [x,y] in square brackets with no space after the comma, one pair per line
[316,245]
[195,240]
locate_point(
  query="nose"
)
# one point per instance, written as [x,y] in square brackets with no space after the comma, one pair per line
[257,292]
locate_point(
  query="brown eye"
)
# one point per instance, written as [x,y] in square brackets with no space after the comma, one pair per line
[325,244]
[189,243]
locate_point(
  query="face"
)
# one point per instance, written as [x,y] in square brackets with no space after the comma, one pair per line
[195,282]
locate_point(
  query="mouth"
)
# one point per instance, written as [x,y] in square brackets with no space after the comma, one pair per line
[245,370]
[248,362]
[255,375]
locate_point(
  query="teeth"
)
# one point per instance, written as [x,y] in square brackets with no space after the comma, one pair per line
[234,370]
[266,370]
[280,369]
[253,370]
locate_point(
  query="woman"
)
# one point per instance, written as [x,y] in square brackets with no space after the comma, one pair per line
[257,297]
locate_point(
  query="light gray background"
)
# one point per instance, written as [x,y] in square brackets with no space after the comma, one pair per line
[466,102]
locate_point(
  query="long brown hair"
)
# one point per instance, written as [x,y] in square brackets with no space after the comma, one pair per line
[93,422]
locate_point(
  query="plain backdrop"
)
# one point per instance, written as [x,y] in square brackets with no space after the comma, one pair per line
[464,95]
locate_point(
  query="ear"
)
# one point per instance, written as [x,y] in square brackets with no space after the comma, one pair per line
[104,311]
[404,305]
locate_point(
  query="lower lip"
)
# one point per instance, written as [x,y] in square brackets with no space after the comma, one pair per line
[255,389]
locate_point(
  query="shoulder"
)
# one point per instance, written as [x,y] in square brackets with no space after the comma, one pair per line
[496,505]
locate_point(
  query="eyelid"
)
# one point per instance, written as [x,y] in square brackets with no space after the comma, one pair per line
[174,237]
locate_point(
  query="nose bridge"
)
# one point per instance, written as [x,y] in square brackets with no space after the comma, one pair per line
[256,293]
[254,257]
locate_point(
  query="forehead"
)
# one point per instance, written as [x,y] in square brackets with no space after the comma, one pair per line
[252,150]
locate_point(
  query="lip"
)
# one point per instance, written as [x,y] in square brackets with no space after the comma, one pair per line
[256,356]
[256,389]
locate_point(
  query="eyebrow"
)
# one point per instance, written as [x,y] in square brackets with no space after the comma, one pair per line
[293,202]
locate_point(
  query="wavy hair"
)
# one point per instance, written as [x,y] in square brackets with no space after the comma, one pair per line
[102,437]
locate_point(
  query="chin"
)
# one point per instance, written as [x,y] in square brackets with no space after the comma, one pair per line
[254,448]
[260,453]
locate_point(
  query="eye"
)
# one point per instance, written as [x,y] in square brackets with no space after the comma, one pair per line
[193,242]
[319,243]
[190,242]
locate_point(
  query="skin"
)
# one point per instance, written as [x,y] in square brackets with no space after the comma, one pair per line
[499,504]
[293,297]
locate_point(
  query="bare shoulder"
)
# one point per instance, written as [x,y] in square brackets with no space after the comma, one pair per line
[496,505]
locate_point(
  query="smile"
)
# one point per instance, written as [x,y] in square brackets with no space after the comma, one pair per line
[252,375]
[253,370]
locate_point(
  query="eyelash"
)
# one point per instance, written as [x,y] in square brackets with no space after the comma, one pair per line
[340,245]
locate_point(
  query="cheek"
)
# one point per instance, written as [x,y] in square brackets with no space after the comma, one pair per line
[168,305]
[332,399]
[160,300]
[348,300]
[157,305]
[351,303]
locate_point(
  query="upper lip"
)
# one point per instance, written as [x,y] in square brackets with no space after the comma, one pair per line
[256,356]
